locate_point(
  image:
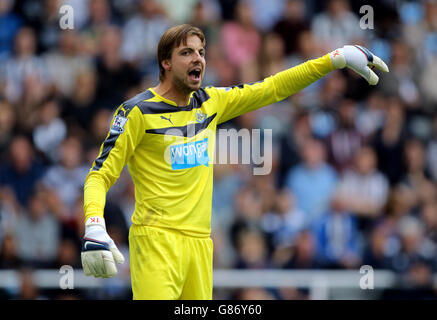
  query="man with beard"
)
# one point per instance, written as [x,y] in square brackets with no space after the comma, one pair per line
[166,136]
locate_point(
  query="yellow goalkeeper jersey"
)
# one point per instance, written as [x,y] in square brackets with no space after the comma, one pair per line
[169,149]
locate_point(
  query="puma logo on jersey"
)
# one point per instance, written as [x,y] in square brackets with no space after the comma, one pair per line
[169,119]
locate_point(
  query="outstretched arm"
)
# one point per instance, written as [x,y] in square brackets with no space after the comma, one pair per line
[240,99]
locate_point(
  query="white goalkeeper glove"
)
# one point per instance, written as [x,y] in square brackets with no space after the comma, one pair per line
[358,59]
[99,251]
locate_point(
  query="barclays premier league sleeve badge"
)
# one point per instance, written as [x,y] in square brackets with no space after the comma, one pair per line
[118,124]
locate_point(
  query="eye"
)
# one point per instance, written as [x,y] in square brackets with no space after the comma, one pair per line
[185,53]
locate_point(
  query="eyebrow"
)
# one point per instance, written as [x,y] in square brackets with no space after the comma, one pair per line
[191,49]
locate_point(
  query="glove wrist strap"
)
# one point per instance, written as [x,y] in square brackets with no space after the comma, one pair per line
[337,58]
[95,221]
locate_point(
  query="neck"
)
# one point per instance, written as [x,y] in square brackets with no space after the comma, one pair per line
[167,90]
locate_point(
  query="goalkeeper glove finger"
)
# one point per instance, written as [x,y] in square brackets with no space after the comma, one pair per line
[99,252]
[358,59]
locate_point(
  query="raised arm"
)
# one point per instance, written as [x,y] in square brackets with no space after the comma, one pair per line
[240,99]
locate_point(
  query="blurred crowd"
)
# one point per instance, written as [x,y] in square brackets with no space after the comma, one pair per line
[354,169]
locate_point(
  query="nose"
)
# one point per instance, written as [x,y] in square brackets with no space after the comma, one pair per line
[198,57]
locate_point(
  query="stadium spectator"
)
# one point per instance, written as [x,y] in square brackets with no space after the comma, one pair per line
[206,16]
[99,17]
[291,142]
[24,64]
[179,12]
[272,55]
[65,179]
[241,43]
[99,128]
[252,250]
[312,182]
[383,243]
[389,141]
[8,121]
[115,76]
[370,117]
[65,63]
[47,25]
[415,246]
[50,129]
[266,13]
[141,35]
[79,107]
[403,80]
[345,141]
[9,25]
[9,257]
[419,283]
[431,150]
[227,182]
[38,233]
[416,185]
[363,191]
[292,23]
[428,215]
[338,238]
[323,115]
[21,172]
[303,252]
[248,211]
[29,289]
[284,222]
[337,25]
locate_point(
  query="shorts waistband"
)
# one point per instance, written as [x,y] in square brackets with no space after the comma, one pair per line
[139,229]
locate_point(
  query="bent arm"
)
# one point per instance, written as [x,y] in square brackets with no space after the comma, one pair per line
[126,132]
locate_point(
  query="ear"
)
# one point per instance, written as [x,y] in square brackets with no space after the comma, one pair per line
[166,64]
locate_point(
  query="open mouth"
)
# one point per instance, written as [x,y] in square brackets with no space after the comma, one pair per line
[194,74]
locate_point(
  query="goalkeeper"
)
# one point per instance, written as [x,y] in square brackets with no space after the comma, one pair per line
[166,136]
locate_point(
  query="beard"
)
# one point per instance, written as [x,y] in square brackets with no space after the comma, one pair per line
[182,85]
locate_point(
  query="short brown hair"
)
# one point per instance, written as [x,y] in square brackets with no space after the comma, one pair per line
[172,38]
